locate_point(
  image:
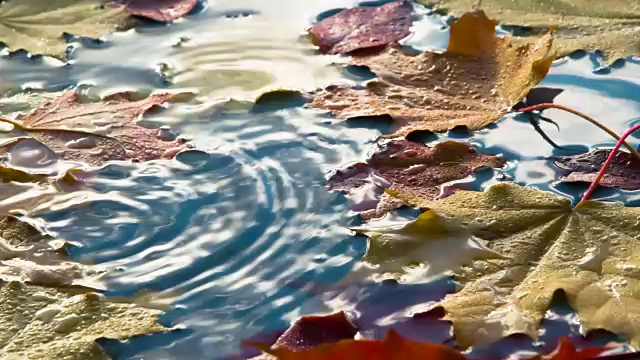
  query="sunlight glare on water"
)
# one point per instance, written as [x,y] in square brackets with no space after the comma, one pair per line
[233,234]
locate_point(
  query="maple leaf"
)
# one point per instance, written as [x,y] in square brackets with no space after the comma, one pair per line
[362,27]
[612,27]
[38,26]
[589,252]
[393,346]
[473,83]
[39,322]
[623,172]
[95,133]
[310,331]
[160,10]
[409,164]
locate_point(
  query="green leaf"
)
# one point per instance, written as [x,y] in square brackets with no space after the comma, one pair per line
[612,27]
[38,26]
[590,252]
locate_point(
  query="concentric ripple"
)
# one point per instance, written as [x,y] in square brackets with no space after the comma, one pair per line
[228,234]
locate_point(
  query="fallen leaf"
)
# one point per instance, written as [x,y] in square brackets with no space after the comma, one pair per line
[38,26]
[589,252]
[403,163]
[39,322]
[54,274]
[311,331]
[160,10]
[472,84]
[612,27]
[392,347]
[427,248]
[362,27]
[623,172]
[95,133]
[566,351]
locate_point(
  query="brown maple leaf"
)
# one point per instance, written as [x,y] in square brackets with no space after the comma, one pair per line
[473,83]
[95,133]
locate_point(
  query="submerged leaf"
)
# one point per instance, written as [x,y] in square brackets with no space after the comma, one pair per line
[362,27]
[412,165]
[38,26]
[392,347]
[566,351]
[590,252]
[95,133]
[472,84]
[38,322]
[160,10]
[623,172]
[612,27]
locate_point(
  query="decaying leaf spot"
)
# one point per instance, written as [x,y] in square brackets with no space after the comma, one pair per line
[37,26]
[362,27]
[472,84]
[160,10]
[623,173]
[590,252]
[413,165]
[95,133]
[48,323]
[311,331]
[612,27]
[392,347]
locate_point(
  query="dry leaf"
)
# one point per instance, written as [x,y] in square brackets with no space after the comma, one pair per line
[590,252]
[473,83]
[95,133]
[623,172]
[612,26]
[409,164]
[362,27]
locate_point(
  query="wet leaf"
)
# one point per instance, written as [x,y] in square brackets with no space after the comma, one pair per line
[38,26]
[95,133]
[8,174]
[393,346]
[311,331]
[421,250]
[589,252]
[160,10]
[362,27]
[612,27]
[472,84]
[566,351]
[403,163]
[39,322]
[623,172]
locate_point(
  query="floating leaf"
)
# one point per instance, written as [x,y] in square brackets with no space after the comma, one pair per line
[413,165]
[38,26]
[362,27]
[612,27]
[624,171]
[160,10]
[421,250]
[95,133]
[590,252]
[393,347]
[311,331]
[39,322]
[566,351]
[472,84]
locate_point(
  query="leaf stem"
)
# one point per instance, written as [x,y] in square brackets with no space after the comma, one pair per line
[606,164]
[584,116]
[14,123]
